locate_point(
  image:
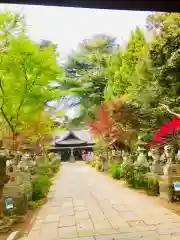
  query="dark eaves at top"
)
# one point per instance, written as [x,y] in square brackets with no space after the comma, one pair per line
[149,5]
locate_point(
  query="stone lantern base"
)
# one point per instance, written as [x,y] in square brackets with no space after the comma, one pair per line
[157,169]
[171,175]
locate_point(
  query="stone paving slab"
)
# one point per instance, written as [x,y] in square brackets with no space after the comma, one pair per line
[67,221]
[102,224]
[53,210]
[82,215]
[88,205]
[82,238]
[107,231]
[80,209]
[33,235]
[49,231]
[87,233]
[51,218]
[67,232]
[37,225]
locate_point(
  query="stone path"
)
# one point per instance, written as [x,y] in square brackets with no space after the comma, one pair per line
[87,205]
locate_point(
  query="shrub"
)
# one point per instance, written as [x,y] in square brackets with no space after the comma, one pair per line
[28,189]
[152,186]
[40,186]
[171,193]
[127,172]
[51,155]
[98,166]
[140,178]
[44,169]
[36,204]
[115,171]
[87,162]
[55,166]
[93,163]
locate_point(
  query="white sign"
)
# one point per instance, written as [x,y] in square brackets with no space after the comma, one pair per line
[9,203]
[177,186]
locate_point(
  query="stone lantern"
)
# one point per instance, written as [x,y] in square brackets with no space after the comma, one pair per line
[171,177]
[5,223]
[141,149]
[156,167]
[72,159]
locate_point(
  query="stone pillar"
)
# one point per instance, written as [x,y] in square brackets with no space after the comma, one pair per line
[171,175]
[157,167]
[141,149]
[72,159]
[5,223]
[117,156]
[40,159]
[166,183]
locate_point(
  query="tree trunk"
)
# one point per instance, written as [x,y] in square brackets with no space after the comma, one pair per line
[2,182]
[1,203]
[13,141]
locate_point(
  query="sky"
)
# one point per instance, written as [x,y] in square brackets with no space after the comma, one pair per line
[66,27]
[69,26]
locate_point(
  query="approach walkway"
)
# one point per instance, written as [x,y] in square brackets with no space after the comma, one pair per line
[87,205]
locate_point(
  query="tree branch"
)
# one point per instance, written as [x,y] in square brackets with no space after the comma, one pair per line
[169,111]
[2,109]
[7,120]
[26,90]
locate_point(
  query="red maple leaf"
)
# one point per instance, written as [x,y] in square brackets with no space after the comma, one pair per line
[167,133]
[109,118]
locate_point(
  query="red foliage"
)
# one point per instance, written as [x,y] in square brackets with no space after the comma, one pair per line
[110,118]
[19,139]
[22,138]
[166,133]
[102,125]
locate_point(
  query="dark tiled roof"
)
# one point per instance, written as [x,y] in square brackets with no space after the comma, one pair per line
[81,135]
[70,142]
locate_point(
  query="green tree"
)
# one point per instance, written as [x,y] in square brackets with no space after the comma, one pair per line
[86,69]
[10,24]
[155,79]
[37,134]
[26,72]
[143,93]
[164,57]
[123,64]
[114,74]
[46,43]
[155,22]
